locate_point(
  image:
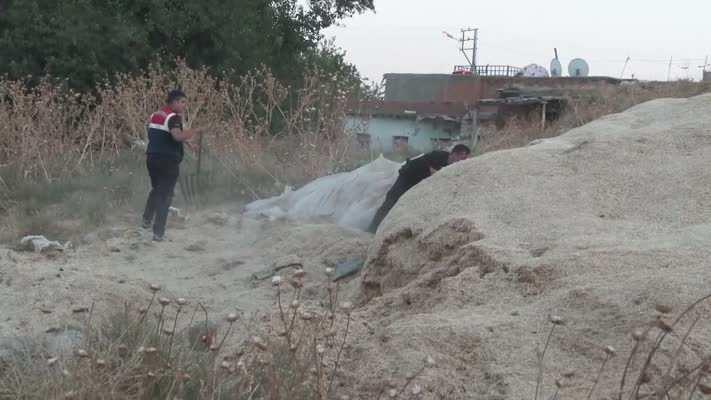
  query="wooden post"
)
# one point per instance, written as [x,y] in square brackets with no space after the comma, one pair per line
[543,116]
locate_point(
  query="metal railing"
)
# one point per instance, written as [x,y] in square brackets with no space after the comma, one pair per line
[487,70]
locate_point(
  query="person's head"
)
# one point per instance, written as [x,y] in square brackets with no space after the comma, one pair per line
[177,101]
[459,152]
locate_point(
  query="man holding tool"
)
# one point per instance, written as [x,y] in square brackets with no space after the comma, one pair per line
[166,136]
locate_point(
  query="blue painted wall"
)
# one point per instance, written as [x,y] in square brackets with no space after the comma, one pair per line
[420,134]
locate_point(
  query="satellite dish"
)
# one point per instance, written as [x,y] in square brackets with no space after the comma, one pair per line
[534,71]
[556,68]
[578,68]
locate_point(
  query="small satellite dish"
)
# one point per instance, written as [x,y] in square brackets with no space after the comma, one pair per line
[578,68]
[556,68]
[534,71]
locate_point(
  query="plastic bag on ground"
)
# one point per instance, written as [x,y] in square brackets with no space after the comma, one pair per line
[348,199]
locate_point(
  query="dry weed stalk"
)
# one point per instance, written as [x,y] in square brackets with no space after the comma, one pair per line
[674,381]
[554,321]
[128,357]
[257,126]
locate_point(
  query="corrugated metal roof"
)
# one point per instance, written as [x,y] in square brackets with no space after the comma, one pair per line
[419,110]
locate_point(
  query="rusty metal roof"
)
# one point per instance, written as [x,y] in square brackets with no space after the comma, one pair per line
[419,110]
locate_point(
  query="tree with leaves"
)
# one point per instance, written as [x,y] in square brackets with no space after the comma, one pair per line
[89,41]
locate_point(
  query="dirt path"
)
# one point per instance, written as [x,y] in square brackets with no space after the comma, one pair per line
[211,259]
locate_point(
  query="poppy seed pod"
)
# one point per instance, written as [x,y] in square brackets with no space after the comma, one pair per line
[638,335]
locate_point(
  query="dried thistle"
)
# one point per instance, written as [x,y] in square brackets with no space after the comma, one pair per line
[81,353]
[663,308]
[232,317]
[347,306]
[296,283]
[154,287]
[299,273]
[556,320]
[181,302]
[52,361]
[164,301]
[276,280]
[638,335]
[259,343]
[664,325]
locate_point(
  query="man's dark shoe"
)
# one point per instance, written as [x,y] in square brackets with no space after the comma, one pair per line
[146,224]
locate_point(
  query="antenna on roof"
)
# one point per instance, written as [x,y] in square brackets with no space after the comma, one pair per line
[470,37]
[556,67]
[627,61]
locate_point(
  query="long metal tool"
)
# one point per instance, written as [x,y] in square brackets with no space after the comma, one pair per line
[193,185]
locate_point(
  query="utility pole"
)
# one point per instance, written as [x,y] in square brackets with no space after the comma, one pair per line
[704,67]
[671,60]
[469,42]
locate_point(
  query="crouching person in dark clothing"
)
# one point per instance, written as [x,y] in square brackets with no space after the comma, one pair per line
[413,172]
[165,152]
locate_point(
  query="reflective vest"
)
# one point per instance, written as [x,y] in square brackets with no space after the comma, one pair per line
[160,140]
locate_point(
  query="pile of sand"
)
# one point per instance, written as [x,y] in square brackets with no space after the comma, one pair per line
[598,226]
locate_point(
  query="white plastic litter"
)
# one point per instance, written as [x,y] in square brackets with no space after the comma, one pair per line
[347,199]
[39,244]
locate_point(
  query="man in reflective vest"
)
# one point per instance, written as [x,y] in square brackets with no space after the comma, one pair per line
[166,136]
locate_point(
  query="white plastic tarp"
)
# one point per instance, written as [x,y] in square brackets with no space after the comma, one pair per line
[347,199]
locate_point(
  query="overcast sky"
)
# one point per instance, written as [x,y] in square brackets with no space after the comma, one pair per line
[406,35]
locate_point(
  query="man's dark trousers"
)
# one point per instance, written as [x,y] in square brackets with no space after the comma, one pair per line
[399,188]
[164,172]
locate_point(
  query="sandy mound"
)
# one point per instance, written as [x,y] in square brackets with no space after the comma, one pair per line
[598,226]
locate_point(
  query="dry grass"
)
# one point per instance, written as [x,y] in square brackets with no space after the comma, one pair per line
[170,350]
[258,124]
[68,157]
[666,361]
[585,106]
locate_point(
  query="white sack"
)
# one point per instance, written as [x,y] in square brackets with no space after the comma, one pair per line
[347,199]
